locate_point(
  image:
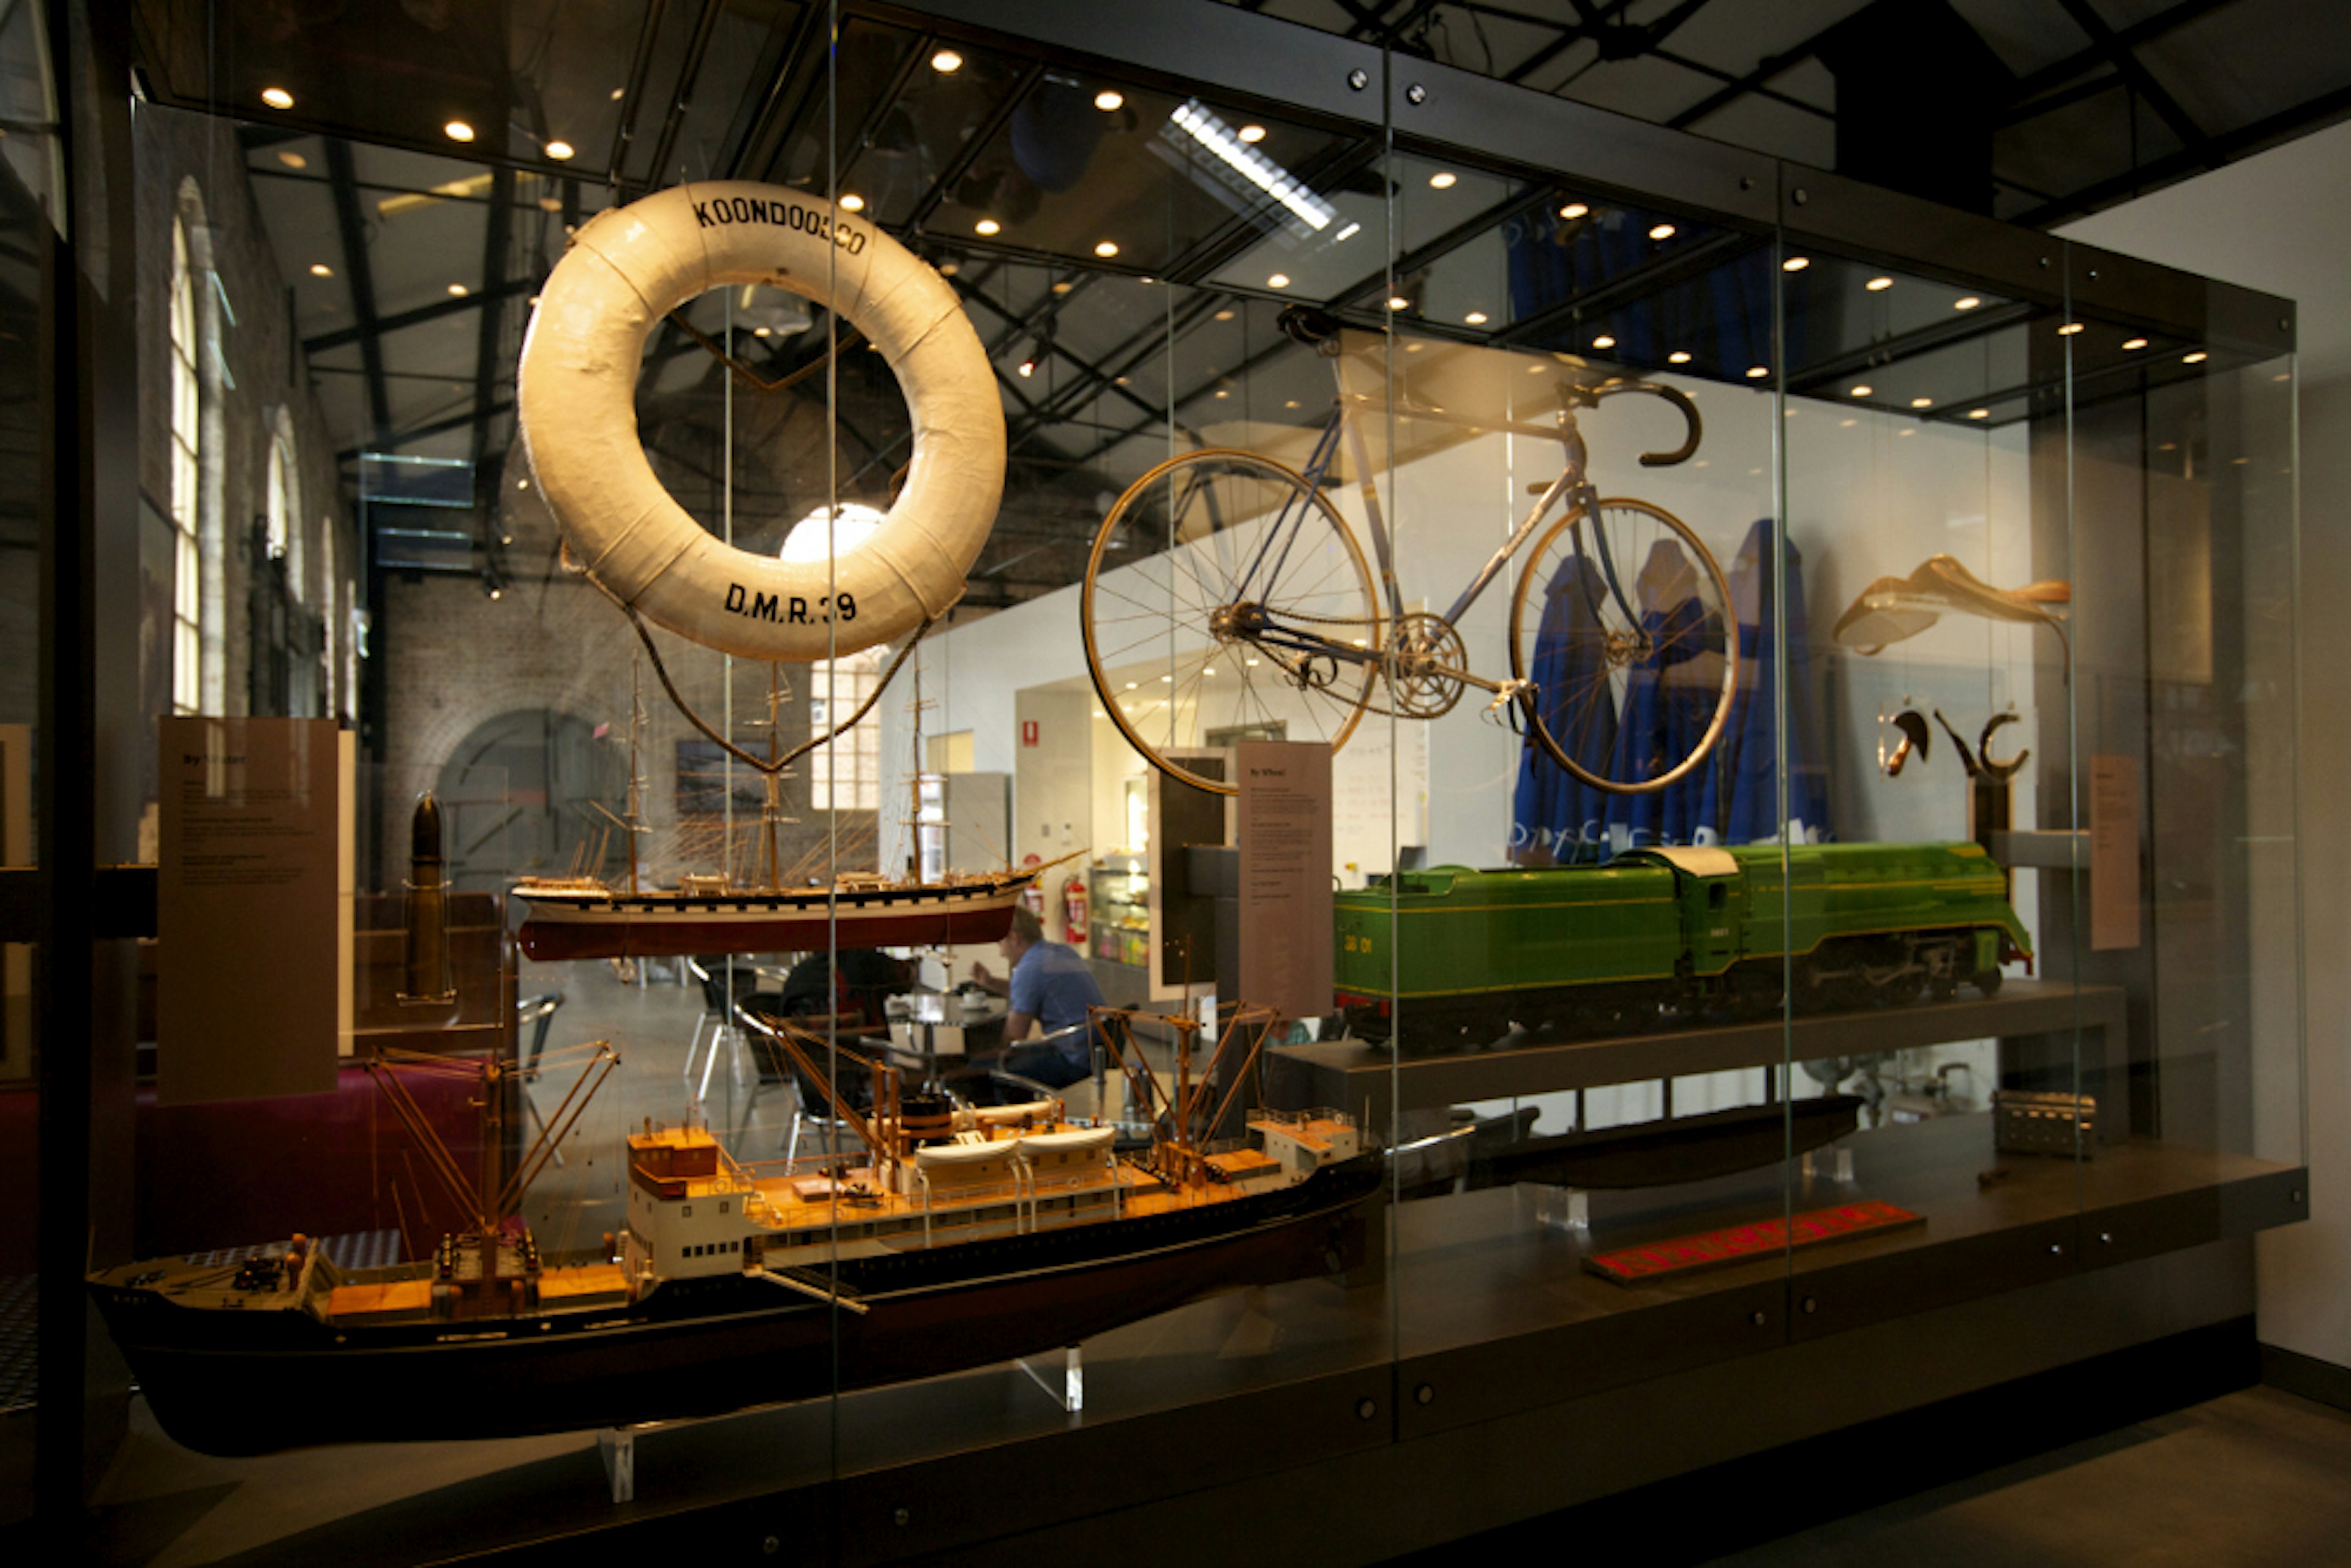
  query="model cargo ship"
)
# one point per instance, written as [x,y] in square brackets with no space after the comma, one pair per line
[962,1236]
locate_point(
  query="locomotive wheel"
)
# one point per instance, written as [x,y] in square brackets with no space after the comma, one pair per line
[1986,981]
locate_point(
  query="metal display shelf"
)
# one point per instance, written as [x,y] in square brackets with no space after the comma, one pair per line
[1356,1074]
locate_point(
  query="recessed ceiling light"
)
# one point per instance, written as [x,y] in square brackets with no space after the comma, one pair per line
[2197,358]
[561,150]
[2069,329]
[1861,391]
[1106,249]
[1251,133]
[950,268]
[987,226]
[1292,403]
[1475,318]
[1908,430]
[1063,287]
[1679,357]
[1442,180]
[1222,392]
[1398,302]
[294,160]
[1878,284]
[947,62]
[1107,100]
[1028,368]
[1130,685]
[619,93]
[1165,680]
[277,98]
[1966,302]
[1796,264]
[1279,280]
[457,291]
[457,130]
[1979,413]
[1847,423]
[852,202]
[1662,231]
[2134,343]
[1757,373]
[760,331]
[1604,341]
[1573,210]
[1922,402]
[320,269]
[1224,316]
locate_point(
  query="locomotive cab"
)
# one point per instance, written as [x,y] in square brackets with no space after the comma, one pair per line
[1710,892]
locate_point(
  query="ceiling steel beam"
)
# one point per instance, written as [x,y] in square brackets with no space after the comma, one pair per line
[373,328]
[633,95]
[493,320]
[973,145]
[674,120]
[2142,80]
[2309,115]
[2059,72]
[358,278]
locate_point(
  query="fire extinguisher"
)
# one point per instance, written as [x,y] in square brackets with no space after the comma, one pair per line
[1073,910]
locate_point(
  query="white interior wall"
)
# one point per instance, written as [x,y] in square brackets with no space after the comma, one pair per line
[2280,222]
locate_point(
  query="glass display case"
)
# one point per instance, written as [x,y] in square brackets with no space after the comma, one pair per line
[1738,731]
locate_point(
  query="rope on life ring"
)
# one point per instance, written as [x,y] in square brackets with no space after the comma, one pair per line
[630,266]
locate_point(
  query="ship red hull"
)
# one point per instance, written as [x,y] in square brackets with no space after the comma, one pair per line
[553,941]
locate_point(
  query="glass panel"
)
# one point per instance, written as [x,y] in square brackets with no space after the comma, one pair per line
[25,432]
[1022,733]
[2187,902]
[1926,456]
[1581,1004]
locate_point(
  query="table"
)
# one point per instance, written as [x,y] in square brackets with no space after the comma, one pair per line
[927,1015]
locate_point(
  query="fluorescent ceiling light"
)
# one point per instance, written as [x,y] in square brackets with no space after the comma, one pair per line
[1246,163]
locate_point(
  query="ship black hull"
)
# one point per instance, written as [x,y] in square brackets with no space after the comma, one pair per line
[235,1384]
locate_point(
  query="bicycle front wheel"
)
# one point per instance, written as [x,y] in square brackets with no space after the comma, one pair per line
[1227,599]
[1623,636]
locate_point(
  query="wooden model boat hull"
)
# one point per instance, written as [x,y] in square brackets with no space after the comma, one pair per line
[565,925]
[247,1383]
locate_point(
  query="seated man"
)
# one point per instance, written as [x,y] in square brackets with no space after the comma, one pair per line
[1049,985]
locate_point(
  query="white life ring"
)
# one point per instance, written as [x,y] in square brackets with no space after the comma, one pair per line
[630,266]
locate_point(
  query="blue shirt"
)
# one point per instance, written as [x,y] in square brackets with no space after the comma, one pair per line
[1055,986]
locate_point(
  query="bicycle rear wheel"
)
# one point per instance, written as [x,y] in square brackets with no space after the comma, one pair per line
[1222,601]
[1622,630]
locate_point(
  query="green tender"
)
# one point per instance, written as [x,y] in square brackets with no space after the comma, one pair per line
[1657,914]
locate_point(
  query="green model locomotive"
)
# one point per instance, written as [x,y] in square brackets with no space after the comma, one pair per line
[1581,950]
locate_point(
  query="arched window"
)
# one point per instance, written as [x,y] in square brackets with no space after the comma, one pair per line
[274,506]
[187,561]
[329,602]
[284,507]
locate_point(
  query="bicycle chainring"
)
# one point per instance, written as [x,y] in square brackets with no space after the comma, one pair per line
[1427,653]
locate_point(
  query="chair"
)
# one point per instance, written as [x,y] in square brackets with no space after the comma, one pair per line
[535,1013]
[811,1107]
[717,1013]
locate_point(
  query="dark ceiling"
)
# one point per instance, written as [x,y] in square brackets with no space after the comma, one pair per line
[414,256]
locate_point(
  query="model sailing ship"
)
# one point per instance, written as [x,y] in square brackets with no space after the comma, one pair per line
[953,1237]
[583,917]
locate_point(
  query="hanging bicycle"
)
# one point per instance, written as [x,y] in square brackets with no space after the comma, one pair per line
[1226,594]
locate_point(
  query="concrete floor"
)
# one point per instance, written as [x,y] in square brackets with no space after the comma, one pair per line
[2256,1478]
